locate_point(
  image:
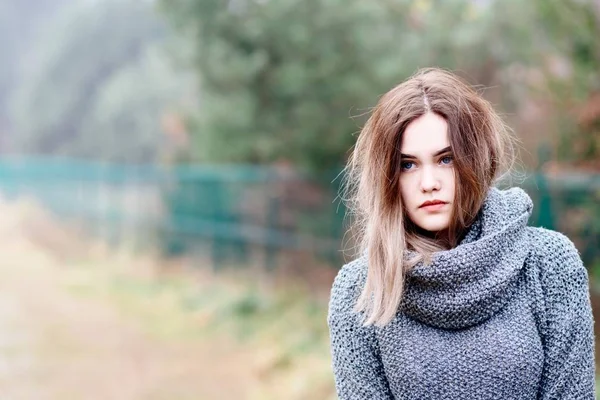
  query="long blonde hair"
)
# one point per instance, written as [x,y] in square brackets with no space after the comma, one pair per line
[482,147]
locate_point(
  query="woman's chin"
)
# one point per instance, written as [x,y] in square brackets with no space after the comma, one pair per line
[433,224]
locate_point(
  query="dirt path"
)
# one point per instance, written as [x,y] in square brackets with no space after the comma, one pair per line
[54,345]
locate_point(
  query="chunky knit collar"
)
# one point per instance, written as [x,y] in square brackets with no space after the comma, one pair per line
[468,284]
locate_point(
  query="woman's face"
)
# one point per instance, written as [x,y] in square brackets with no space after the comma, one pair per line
[427,173]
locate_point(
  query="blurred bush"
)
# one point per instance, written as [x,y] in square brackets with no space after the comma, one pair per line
[94,81]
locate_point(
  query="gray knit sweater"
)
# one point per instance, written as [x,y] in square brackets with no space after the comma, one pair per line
[504,315]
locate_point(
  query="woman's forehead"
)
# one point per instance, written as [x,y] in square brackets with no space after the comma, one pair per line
[425,136]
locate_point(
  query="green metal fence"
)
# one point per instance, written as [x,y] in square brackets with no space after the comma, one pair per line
[233,213]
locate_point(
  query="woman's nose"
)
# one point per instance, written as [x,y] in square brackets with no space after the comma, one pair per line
[429,180]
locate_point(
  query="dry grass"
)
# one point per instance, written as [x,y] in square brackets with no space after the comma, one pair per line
[83,322]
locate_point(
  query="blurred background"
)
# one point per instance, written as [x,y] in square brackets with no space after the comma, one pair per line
[169,171]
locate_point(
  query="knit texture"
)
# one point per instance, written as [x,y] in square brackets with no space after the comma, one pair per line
[504,315]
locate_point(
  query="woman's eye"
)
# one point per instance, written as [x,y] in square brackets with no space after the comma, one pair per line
[446,160]
[406,165]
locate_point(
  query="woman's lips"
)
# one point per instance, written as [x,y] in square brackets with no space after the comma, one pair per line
[434,207]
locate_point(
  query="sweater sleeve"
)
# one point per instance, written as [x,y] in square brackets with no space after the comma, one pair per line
[568,334]
[357,366]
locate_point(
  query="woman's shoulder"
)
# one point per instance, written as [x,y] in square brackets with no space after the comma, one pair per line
[347,285]
[555,254]
[549,244]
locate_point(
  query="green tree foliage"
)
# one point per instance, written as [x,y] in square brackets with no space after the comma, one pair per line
[573,31]
[279,79]
[282,79]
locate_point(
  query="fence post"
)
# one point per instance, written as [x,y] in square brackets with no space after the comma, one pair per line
[545,216]
[270,247]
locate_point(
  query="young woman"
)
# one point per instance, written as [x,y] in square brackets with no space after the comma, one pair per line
[453,296]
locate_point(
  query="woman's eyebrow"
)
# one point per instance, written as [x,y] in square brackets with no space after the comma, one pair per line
[437,153]
[442,151]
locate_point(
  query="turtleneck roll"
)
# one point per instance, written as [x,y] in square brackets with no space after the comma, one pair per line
[504,315]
